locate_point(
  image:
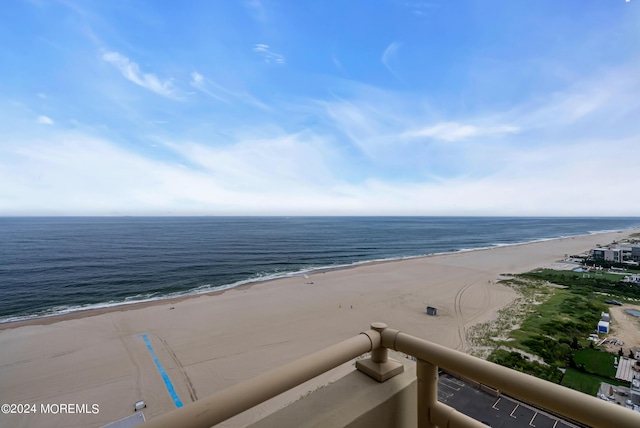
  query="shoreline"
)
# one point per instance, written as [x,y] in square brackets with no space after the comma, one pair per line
[207,343]
[247,284]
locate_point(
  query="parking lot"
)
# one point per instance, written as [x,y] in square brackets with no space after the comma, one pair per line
[496,411]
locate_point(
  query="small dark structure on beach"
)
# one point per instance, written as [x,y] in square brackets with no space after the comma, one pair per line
[432,311]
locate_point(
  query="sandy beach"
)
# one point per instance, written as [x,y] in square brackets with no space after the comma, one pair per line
[210,342]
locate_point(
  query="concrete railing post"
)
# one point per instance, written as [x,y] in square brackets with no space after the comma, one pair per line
[379,366]
[427,375]
[380,354]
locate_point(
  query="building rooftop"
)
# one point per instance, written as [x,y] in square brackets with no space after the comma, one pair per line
[625,369]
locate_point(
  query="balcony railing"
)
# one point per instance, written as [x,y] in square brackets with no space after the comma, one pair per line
[430,357]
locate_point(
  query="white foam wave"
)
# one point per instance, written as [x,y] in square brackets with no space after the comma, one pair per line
[203,289]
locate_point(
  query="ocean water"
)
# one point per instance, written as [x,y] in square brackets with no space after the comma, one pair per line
[54,265]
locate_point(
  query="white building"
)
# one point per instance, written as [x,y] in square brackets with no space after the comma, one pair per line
[607,254]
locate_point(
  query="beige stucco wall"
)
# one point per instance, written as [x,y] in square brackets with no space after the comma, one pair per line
[354,401]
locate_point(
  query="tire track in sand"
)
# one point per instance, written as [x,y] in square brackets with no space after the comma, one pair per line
[190,388]
[457,307]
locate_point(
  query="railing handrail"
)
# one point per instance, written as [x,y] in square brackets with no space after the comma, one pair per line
[236,399]
[541,393]
[575,405]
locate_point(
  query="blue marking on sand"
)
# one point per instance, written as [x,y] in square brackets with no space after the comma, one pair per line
[165,376]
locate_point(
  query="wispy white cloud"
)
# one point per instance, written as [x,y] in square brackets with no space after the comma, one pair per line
[442,147]
[362,122]
[131,71]
[75,173]
[389,55]
[45,120]
[395,129]
[198,81]
[453,131]
[267,54]
[388,130]
[220,93]
[262,162]
[78,173]
[72,172]
[607,95]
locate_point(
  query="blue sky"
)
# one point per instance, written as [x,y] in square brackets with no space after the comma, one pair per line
[266,107]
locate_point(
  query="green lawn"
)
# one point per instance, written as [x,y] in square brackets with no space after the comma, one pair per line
[585,382]
[578,282]
[550,329]
[579,381]
[597,362]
